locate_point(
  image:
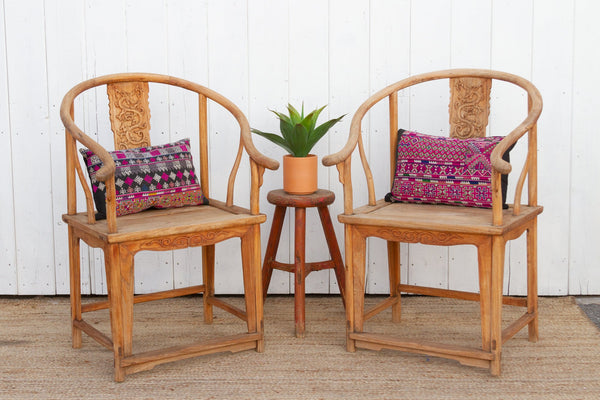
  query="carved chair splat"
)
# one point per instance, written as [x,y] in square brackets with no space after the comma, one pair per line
[122,237]
[445,225]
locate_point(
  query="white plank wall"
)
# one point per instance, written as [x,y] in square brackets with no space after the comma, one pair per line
[262,54]
[8,248]
[470,44]
[584,252]
[265,34]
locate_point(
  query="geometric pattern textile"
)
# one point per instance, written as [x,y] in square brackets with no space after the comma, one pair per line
[443,170]
[160,176]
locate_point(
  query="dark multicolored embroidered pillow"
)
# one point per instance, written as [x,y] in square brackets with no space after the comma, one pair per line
[148,177]
[442,170]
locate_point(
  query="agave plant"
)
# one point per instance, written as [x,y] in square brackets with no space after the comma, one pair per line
[299,134]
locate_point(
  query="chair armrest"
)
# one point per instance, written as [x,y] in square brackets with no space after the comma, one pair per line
[342,158]
[256,155]
[108,167]
[346,151]
[509,140]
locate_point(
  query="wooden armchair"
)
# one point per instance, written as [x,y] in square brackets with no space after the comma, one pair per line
[446,225]
[159,229]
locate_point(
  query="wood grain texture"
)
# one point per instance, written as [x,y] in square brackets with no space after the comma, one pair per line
[469,107]
[129,114]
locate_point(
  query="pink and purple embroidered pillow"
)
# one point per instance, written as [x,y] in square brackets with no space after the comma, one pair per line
[160,176]
[442,170]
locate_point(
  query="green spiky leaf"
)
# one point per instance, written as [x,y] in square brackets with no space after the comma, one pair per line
[278,140]
[300,141]
[295,116]
[298,132]
[321,130]
[310,121]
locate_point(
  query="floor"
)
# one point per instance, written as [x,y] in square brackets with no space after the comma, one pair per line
[35,339]
[591,306]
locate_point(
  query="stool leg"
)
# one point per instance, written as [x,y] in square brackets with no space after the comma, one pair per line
[299,268]
[334,250]
[272,246]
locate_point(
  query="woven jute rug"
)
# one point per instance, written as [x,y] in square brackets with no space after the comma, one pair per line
[37,361]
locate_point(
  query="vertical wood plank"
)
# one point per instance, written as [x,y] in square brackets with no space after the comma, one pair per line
[30,140]
[187,49]
[552,69]
[584,274]
[471,26]
[106,53]
[269,26]
[430,51]
[228,75]
[65,56]
[8,257]
[348,88]
[389,55]
[308,84]
[146,40]
[511,52]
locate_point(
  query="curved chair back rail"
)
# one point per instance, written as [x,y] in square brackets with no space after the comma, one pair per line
[342,158]
[258,161]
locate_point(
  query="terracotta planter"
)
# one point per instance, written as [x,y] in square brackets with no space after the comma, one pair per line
[300,174]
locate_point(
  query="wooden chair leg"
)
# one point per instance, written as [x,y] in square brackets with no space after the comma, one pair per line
[498,248]
[394,273]
[208,279]
[250,285]
[532,284]
[75,286]
[299,270]
[113,278]
[359,244]
[257,295]
[484,253]
[334,249]
[126,264]
[349,257]
[272,246]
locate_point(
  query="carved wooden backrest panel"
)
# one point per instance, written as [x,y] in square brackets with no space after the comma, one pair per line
[129,114]
[469,107]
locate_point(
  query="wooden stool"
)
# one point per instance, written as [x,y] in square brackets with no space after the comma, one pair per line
[320,199]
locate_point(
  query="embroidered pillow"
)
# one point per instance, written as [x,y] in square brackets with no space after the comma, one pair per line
[442,170]
[160,176]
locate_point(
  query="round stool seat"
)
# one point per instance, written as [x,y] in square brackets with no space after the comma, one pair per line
[319,198]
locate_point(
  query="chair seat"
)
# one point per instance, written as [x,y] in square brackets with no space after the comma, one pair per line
[443,218]
[156,223]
